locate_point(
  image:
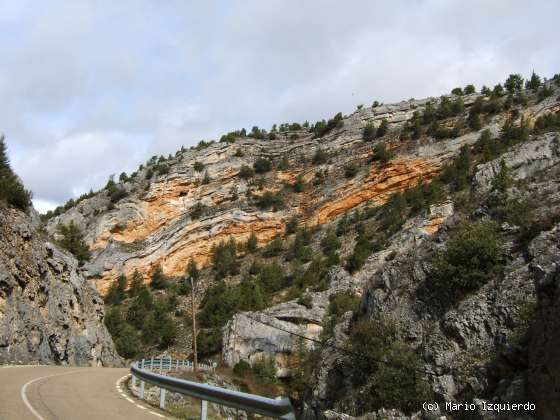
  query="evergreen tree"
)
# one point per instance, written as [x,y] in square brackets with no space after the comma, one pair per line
[514,83]
[11,188]
[159,280]
[192,270]
[383,128]
[252,243]
[136,284]
[73,241]
[534,82]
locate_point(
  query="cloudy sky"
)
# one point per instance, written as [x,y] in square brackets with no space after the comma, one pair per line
[91,88]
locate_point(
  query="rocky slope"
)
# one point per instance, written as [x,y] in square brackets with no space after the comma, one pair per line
[49,313]
[153,225]
[481,347]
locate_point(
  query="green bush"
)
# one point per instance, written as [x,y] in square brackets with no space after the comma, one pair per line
[265,368]
[369,132]
[116,293]
[159,280]
[274,248]
[514,83]
[457,91]
[262,165]
[269,200]
[548,122]
[224,259]
[381,154]
[252,242]
[209,342]
[246,172]
[272,277]
[198,210]
[351,170]
[469,89]
[73,241]
[387,369]
[473,257]
[383,128]
[320,157]
[241,368]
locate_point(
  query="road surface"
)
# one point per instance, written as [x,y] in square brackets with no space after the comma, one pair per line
[68,393]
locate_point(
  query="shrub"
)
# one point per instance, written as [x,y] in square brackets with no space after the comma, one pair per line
[548,122]
[369,132]
[198,210]
[457,91]
[159,280]
[198,166]
[320,157]
[383,128]
[206,179]
[269,200]
[239,153]
[305,300]
[224,259]
[381,154]
[252,242]
[514,83]
[298,186]
[246,172]
[470,89]
[545,92]
[330,242]
[350,170]
[474,121]
[274,248]
[241,368]
[209,342]
[73,241]
[291,225]
[117,194]
[387,368]
[265,368]
[11,188]
[262,165]
[473,256]
[321,128]
[116,293]
[503,179]
[458,173]
[272,277]
[534,82]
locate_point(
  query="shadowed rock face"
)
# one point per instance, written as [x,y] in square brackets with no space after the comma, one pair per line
[48,311]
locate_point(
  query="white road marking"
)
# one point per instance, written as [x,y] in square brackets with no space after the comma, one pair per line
[24,392]
[132,401]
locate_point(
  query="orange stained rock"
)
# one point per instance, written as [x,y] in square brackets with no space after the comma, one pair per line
[196,242]
[378,186]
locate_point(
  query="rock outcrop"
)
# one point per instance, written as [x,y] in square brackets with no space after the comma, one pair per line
[154,225]
[49,313]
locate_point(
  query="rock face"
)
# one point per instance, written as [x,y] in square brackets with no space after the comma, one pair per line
[544,358]
[250,336]
[48,311]
[154,225]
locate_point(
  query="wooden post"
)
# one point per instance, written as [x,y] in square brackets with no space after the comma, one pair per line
[195,361]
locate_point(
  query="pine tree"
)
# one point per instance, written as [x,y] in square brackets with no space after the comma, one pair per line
[136,284]
[159,280]
[73,241]
[11,188]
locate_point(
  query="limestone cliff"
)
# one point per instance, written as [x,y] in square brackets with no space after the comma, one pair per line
[49,313]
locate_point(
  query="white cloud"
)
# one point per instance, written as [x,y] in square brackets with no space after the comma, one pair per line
[94,88]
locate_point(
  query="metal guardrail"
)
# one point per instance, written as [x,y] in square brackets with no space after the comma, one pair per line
[279,408]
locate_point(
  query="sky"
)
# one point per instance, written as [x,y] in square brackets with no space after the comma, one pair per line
[94,88]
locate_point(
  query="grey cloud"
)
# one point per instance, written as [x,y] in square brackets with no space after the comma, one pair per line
[83,82]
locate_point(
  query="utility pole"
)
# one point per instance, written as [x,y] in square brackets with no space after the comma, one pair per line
[193,316]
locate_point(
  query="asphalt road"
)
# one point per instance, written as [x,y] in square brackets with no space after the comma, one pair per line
[68,393]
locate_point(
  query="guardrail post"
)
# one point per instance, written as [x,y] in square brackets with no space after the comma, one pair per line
[141,390]
[162,398]
[203,410]
[177,364]
[152,364]
[160,364]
